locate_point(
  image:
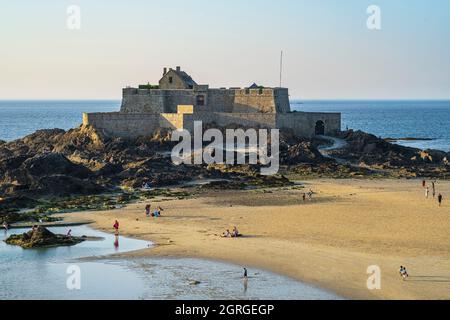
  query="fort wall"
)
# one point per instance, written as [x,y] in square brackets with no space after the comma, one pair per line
[180,101]
[264,100]
[244,120]
[116,124]
[135,125]
[304,123]
[143,101]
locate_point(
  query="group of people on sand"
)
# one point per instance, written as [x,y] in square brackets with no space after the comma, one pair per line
[440,198]
[403,273]
[146,186]
[155,214]
[308,195]
[234,234]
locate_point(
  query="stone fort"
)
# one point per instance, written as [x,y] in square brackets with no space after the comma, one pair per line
[178,101]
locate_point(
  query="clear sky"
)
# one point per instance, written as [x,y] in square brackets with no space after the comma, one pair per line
[329,51]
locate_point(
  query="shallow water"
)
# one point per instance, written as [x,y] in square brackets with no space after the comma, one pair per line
[42,274]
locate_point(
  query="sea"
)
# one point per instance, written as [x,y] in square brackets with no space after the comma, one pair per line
[427,121]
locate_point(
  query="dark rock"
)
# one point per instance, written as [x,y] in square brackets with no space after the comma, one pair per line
[109,169]
[301,152]
[53,163]
[371,151]
[17,203]
[64,186]
[41,237]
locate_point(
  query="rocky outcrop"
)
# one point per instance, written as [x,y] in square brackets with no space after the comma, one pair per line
[81,161]
[301,152]
[373,150]
[370,151]
[41,237]
[46,174]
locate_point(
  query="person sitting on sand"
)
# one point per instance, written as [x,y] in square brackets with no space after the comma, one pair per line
[157,212]
[146,186]
[226,234]
[401,272]
[235,233]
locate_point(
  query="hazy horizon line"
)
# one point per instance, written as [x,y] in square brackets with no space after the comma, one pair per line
[293,99]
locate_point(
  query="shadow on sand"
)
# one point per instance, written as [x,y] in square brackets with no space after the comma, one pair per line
[435,279]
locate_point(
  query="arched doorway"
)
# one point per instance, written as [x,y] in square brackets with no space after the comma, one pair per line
[320,128]
[200,100]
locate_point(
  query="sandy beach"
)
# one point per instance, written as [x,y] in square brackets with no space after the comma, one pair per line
[329,241]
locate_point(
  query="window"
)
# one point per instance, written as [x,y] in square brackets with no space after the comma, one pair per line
[170,80]
[200,100]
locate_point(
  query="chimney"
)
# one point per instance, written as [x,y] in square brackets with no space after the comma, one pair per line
[165,71]
[178,69]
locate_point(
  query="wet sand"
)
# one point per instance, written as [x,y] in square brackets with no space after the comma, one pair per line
[329,241]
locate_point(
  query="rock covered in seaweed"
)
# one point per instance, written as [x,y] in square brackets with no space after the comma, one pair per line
[41,237]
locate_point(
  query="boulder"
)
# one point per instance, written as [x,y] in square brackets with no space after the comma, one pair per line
[64,186]
[41,237]
[301,152]
[53,163]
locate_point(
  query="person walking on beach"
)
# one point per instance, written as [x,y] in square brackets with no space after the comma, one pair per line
[69,233]
[304,197]
[427,192]
[440,199]
[245,273]
[433,187]
[6,226]
[310,194]
[147,210]
[424,183]
[116,227]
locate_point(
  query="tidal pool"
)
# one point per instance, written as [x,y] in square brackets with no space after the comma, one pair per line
[42,274]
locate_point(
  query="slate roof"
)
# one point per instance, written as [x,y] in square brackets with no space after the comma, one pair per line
[185,77]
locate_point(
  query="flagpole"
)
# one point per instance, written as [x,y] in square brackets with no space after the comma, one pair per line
[281,68]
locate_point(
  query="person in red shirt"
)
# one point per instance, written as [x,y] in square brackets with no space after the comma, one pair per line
[116,227]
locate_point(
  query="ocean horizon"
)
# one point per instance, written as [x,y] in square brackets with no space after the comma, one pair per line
[417,119]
